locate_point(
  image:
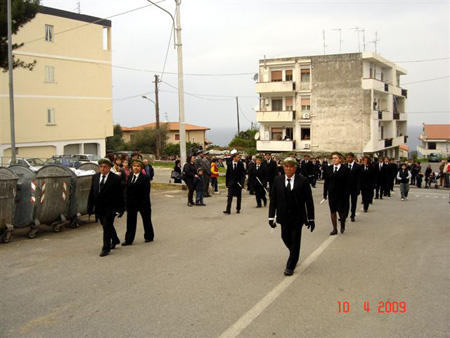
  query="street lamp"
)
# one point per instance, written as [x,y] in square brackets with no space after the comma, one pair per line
[158,137]
[179,46]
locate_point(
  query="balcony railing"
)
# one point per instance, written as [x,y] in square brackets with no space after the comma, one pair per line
[275,116]
[275,145]
[275,87]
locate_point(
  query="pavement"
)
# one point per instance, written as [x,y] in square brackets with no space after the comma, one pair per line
[213,275]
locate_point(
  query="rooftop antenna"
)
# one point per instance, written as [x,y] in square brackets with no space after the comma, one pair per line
[356,29]
[324,44]
[167,116]
[364,39]
[375,42]
[78,9]
[340,38]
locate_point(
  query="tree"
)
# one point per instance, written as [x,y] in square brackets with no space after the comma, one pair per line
[146,139]
[115,142]
[22,11]
[172,149]
[244,140]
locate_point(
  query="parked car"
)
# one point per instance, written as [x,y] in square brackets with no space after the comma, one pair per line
[434,157]
[32,163]
[65,160]
[84,158]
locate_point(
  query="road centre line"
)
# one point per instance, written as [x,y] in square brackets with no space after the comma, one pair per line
[240,325]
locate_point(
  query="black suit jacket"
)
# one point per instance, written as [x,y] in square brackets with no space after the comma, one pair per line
[235,176]
[367,178]
[354,183]
[255,174]
[138,193]
[307,168]
[303,200]
[109,200]
[336,185]
[383,174]
[271,170]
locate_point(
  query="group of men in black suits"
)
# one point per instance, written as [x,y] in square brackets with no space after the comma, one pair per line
[106,201]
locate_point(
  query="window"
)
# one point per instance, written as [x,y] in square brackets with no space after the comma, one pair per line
[49,33]
[49,74]
[306,75]
[289,75]
[305,134]
[277,134]
[289,103]
[381,132]
[277,104]
[289,134]
[51,116]
[432,145]
[277,75]
[306,104]
[177,137]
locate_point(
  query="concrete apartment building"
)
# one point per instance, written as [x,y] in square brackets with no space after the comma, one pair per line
[319,104]
[63,106]
[435,139]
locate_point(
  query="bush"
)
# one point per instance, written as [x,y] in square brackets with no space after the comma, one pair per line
[146,139]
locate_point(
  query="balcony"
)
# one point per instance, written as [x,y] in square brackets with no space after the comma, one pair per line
[400,116]
[275,87]
[275,145]
[375,85]
[275,116]
[382,115]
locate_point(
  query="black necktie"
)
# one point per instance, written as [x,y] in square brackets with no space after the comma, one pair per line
[234,165]
[349,166]
[365,168]
[134,179]
[289,184]
[102,183]
[335,169]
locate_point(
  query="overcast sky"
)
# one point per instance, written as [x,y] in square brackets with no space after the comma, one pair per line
[230,36]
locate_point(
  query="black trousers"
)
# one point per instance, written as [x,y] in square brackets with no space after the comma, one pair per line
[109,232]
[238,193]
[190,186]
[146,214]
[206,180]
[260,194]
[379,189]
[367,196]
[291,234]
[353,203]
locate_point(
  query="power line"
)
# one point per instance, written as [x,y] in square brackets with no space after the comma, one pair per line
[93,22]
[209,95]
[167,52]
[426,60]
[434,79]
[242,112]
[132,97]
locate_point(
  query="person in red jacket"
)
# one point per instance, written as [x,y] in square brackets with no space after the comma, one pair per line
[214,175]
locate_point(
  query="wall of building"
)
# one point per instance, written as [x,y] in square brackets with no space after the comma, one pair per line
[341,109]
[80,95]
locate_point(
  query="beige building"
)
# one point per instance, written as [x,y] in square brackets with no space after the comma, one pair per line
[194,134]
[435,139]
[319,104]
[63,106]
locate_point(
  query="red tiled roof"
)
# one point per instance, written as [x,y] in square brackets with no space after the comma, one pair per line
[404,147]
[437,131]
[171,126]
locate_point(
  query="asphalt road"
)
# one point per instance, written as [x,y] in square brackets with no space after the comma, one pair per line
[209,275]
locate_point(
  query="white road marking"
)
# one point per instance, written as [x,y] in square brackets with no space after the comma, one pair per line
[170,196]
[234,330]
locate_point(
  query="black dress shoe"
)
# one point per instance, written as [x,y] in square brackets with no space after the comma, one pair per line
[148,240]
[342,228]
[334,232]
[238,211]
[104,253]
[227,212]
[126,243]
[113,245]
[288,272]
[352,218]
[258,206]
[265,203]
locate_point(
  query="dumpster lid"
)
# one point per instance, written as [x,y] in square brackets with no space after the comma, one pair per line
[89,166]
[7,175]
[24,173]
[54,170]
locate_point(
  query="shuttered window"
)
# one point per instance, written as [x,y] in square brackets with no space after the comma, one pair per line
[289,75]
[305,75]
[289,103]
[277,75]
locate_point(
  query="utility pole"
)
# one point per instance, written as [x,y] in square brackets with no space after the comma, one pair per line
[181,87]
[324,44]
[158,136]
[11,84]
[364,39]
[237,108]
[340,38]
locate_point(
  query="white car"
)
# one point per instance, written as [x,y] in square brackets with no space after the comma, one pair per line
[32,163]
[84,158]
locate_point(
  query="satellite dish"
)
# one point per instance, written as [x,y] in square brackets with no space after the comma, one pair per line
[255,77]
[256,108]
[257,136]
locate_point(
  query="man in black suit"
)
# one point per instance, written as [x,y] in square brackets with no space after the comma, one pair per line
[308,169]
[105,201]
[382,172]
[354,184]
[234,180]
[291,202]
[257,179]
[138,200]
[336,189]
[271,169]
[367,182]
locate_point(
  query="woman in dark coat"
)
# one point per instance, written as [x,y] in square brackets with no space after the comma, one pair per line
[177,168]
[189,174]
